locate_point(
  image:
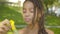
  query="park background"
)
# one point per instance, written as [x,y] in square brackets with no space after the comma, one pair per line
[12,10]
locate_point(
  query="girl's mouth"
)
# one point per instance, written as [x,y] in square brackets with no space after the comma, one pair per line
[27,19]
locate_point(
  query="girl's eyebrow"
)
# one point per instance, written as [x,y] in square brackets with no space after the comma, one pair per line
[23,8]
[31,8]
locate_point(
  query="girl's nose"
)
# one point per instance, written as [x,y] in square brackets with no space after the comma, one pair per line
[27,15]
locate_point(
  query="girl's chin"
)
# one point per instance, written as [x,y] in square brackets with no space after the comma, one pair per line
[28,22]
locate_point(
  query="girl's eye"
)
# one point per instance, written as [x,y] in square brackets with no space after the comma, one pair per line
[24,11]
[32,10]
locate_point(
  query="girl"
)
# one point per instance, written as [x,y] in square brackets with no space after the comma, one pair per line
[34,16]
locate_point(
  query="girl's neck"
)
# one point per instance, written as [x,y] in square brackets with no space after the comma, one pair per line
[31,26]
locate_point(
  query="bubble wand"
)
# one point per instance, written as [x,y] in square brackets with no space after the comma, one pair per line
[13,27]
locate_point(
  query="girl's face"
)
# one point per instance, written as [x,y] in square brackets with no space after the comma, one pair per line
[28,12]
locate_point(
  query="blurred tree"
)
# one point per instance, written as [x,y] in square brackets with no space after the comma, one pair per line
[49,3]
[3,2]
[57,3]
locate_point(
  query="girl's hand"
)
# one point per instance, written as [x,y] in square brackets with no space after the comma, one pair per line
[4,26]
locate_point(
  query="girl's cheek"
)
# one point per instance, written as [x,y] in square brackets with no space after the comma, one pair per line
[32,15]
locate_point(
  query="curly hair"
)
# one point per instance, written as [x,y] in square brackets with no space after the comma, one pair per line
[39,4]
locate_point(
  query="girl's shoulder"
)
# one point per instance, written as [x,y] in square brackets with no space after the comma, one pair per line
[49,31]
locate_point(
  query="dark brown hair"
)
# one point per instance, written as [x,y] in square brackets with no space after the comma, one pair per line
[39,4]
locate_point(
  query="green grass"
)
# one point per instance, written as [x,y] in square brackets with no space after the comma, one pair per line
[10,13]
[55,30]
[52,20]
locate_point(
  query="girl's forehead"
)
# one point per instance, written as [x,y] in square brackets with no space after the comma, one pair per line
[28,4]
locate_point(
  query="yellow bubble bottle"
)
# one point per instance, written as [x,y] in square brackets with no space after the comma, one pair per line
[13,27]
